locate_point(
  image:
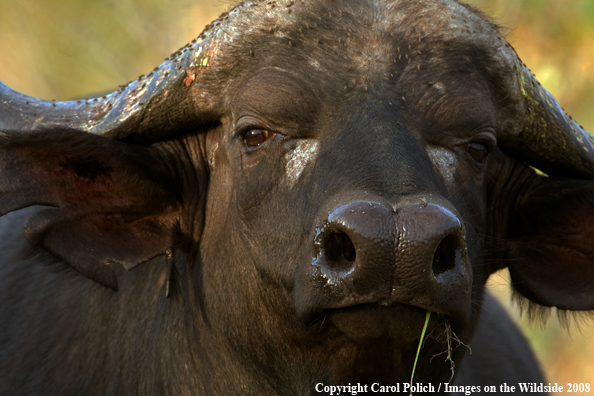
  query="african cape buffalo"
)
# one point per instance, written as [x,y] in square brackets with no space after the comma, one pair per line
[279,204]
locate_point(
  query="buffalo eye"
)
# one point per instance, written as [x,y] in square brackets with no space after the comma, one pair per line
[478,151]
[255,137]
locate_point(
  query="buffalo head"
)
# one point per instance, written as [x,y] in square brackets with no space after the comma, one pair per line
[305,181]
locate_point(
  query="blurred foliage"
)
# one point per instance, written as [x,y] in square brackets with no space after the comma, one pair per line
[555,39]
[63,49]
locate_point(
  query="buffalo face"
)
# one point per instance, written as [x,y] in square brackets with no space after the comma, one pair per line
[321,174]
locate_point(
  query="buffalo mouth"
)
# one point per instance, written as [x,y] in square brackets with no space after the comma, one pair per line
[385,340]
[396,323]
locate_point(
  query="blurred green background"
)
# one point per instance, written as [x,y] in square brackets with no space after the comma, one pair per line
[64,49]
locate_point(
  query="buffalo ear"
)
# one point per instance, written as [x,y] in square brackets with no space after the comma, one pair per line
[111,202]
[551,243]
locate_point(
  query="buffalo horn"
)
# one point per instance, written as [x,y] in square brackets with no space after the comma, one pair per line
[550,140]
[148,109]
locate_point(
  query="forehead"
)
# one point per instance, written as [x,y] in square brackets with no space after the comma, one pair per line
[354,29]
[429,58]
[356,43]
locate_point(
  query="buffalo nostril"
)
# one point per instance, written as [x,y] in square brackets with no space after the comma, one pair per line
[340,251]
[446,254]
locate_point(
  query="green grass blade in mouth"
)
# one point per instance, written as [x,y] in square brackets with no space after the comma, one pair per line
[419,348]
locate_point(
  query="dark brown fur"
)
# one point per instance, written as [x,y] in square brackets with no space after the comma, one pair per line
[403,107]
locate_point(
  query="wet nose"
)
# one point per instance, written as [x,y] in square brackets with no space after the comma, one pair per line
[414,253]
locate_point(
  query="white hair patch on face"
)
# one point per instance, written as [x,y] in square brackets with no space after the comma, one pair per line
[444,161]
[305,151]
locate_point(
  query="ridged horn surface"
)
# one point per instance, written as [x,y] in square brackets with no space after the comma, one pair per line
[147,109]
[550,140]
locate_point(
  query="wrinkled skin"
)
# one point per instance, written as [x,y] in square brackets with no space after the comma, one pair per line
[347,167]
